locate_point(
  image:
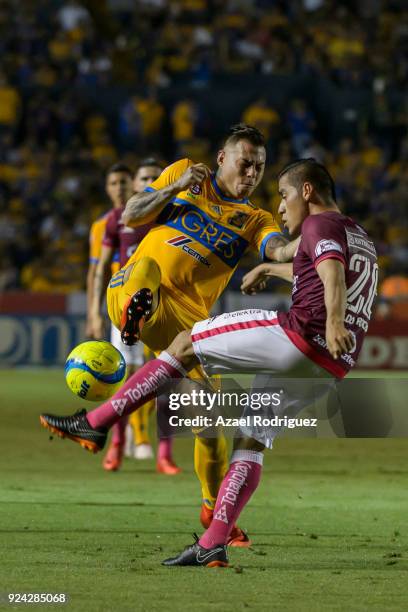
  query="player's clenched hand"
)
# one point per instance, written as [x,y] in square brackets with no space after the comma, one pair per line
[339,340]
[255,280]
[194,175]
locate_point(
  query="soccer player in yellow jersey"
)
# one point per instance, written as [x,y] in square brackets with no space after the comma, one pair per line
[204,222]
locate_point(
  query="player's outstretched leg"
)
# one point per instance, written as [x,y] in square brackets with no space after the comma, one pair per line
[165,463]
[90,429]
[113,458]
[197,555]
[236,489]
[77,428]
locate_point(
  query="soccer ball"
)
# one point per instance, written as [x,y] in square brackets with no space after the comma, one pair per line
[94,370]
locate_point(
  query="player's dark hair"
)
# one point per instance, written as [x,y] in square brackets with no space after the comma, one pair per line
[308,169]
[242,131]
[149,161]
[119,167]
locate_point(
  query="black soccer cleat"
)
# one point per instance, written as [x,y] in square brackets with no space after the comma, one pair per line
[76,428]
[196,555]
[134,316]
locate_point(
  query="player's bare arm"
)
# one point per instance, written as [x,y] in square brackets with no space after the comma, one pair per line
[280,250]
[256,279]
[142,205]
[90,279]
[101,280]
[338,338]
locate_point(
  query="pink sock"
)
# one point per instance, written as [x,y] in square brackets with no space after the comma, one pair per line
[143,385]
[165,449]
[239,483]
[118,431]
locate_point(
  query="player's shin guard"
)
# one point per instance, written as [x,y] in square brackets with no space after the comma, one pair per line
[150,380]
[210,464]
[239,483]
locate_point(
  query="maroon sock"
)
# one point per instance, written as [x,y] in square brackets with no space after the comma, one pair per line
[239,483]
[118,431]
[165,449]
[142,386]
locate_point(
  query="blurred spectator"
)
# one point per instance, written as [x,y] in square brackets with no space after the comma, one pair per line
[140,123]
[301,125]
[10,104]
[83,83]
[72,15]
[393,296]
[184,119]
[264,117]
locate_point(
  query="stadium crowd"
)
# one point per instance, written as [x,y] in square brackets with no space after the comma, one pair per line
[57,139]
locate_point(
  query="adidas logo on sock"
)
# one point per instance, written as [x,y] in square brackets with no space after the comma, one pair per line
[119,405]
[221,515]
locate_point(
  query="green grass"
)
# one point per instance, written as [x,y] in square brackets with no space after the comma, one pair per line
[328,523]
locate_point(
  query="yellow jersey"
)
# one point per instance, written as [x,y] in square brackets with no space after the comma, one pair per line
[96,235]
[199,238]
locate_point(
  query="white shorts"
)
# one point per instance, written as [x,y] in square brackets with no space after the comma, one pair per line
[248,341]
[133,354]
[253,341]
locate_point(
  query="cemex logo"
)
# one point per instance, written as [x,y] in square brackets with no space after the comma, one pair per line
[182,242]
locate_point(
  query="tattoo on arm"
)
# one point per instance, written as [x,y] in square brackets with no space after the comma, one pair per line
[274,243]
[142,205]
[280,250]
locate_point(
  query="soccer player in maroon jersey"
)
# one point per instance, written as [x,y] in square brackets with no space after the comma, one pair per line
[124,240]
[334,274]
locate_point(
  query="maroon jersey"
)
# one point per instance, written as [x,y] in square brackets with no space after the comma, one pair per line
[121,237]
[331,235]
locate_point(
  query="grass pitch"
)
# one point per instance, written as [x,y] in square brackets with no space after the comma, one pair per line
[328,523]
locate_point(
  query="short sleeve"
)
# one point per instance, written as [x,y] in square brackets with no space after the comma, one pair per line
[111,236]
[324,238]
[170,174]
[266,227]
[95,240]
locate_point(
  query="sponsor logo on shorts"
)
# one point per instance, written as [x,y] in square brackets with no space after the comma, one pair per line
[183,243]
[323,246]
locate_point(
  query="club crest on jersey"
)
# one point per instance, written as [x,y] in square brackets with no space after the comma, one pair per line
[323,246]
[238,219]
[195,189]
[183,242]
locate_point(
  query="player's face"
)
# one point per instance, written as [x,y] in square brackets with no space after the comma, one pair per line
[145,177]
[241,168]
[293,207]
[119,188]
